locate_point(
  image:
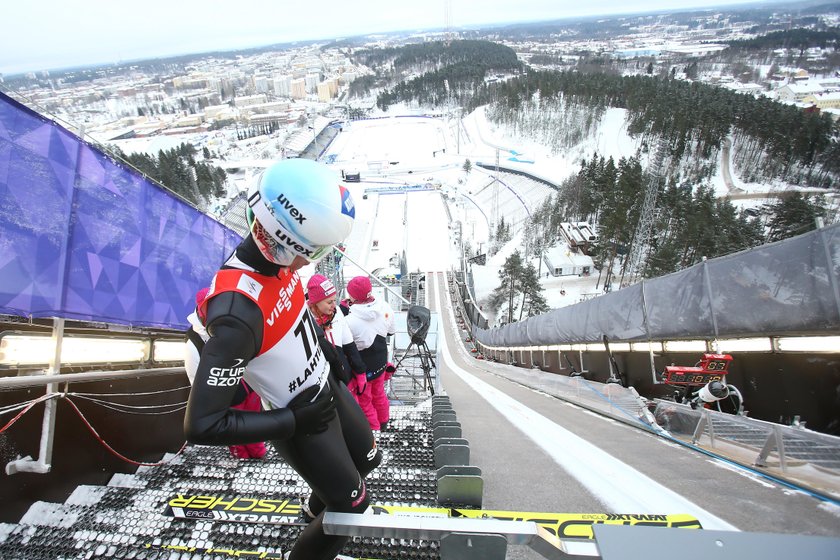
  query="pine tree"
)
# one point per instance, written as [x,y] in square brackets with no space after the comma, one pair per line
[532,296]
[502,235]
[794,214]
[510,276]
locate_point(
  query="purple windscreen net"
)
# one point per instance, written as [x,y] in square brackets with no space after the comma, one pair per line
[83,237]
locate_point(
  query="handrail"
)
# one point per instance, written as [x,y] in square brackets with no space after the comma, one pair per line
[9,383]
[373,277]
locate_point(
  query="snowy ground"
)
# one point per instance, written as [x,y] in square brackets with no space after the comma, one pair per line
[407,148]
[394,153]
[418,151]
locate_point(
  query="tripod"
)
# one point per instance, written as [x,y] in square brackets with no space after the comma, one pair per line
[417,323]
[427,362]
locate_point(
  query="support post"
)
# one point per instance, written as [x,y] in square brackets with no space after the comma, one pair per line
[43,464]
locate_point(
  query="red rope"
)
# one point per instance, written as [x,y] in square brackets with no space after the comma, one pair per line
[111,449]
[25,410]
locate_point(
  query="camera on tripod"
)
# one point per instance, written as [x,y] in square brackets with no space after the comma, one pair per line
[417,322]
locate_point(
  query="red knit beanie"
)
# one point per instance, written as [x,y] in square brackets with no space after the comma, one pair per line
[319,288]
[360,289]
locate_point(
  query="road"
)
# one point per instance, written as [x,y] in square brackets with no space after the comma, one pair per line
[724,166]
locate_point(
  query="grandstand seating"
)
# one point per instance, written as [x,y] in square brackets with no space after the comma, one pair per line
[518,196]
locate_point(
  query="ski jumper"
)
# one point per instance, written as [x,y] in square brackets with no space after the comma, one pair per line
[258,328]
[371,324]
[244,399]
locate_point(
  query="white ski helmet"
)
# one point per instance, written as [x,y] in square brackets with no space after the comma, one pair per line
[298,207]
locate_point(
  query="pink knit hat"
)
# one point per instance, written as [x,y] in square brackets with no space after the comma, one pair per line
[199,300]
[319,288]
[360,289]
[201,296]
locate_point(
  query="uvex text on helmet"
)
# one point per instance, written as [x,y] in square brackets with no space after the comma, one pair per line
[298,207]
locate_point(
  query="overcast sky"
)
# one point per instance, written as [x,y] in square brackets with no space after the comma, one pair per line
[49,34]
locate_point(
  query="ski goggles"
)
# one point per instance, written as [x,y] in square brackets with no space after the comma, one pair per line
[285,246]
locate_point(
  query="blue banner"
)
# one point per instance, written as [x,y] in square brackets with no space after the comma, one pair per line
[85,237]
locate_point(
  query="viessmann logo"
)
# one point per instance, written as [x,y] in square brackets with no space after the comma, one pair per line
[226,376]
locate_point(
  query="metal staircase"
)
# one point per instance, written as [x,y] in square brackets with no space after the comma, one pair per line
[126,518]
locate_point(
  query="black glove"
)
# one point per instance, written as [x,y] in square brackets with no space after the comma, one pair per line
[312,417]
[361,382]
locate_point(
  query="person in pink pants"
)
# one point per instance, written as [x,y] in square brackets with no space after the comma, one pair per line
[371,321]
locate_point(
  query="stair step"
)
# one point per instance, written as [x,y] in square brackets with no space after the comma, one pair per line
[125,518]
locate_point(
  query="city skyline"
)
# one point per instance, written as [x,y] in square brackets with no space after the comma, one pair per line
[52,35]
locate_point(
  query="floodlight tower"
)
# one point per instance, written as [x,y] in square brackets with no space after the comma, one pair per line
[494,204]
[641,237]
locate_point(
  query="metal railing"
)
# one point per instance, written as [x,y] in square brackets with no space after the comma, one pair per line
[763,444]
[51,379]
[11,383]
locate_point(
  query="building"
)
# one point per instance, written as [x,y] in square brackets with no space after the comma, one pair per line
[747,89]
[271,107]
[327,90]
[796,92]
[824,100]
[189,82]
[248,100]
[562,261]
[579,235]
[298,89]
[280,118]
[324,93]
[283,85]
[830,84]
[261,84]
[312,80]
[217,111]
[188,121]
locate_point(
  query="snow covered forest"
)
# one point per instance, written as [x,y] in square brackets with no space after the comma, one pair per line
[682,126]
[773,141]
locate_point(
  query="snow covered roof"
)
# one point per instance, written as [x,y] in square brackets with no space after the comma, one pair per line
[833,96]
[805,87]
[561,255]
[749,87]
